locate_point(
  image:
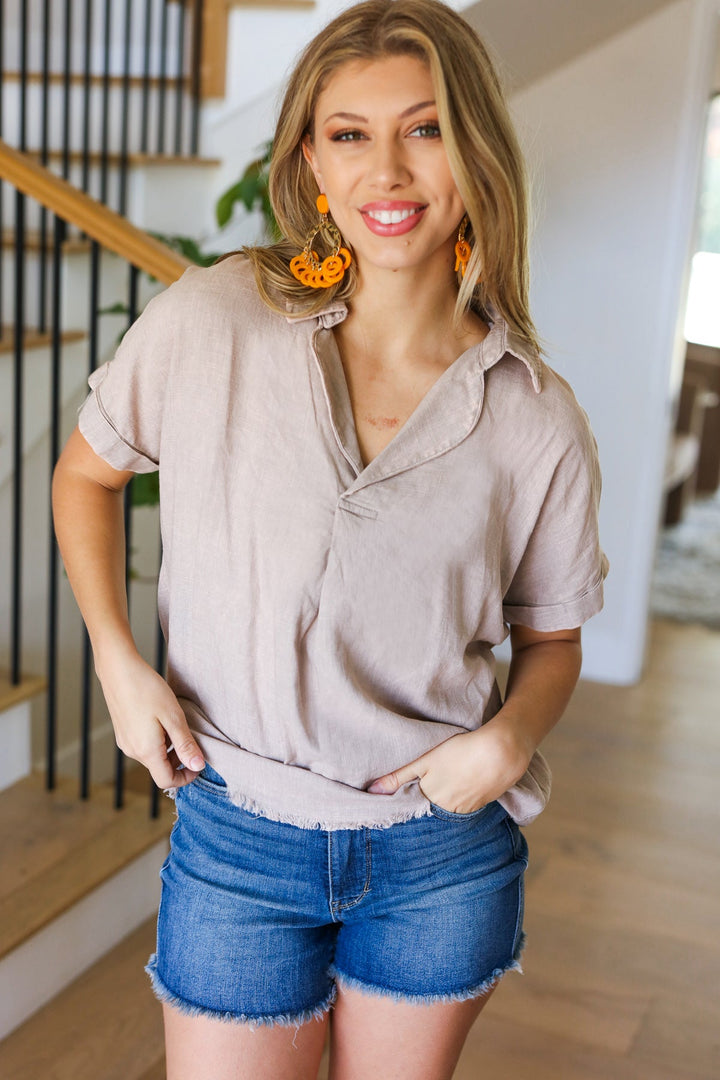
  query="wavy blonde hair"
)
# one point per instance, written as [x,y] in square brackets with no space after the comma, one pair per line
[478,136]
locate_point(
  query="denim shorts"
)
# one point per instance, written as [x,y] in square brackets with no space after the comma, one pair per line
[260,921]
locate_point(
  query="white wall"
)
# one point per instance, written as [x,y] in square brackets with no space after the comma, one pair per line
[615,139]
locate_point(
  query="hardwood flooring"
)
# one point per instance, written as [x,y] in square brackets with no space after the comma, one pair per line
[622,967]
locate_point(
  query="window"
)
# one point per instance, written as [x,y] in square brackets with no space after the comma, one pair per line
[702,316]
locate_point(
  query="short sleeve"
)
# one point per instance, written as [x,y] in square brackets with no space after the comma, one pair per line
[122,417]
[558,583]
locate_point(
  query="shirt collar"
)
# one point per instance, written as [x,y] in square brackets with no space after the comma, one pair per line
[502,340]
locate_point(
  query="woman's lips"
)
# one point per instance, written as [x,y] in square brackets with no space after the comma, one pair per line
[392,218]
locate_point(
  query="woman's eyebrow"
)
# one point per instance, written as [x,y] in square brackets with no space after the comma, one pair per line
[355,118]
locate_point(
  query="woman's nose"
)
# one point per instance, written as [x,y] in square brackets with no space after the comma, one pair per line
[388,166]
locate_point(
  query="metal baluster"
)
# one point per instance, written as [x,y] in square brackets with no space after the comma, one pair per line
[122,199]
[66,85]
[18,376]
[44,129]
[162,78]
[133,283]
[53,567]
[87,661]
[105,126]
[196,87]
[145,105]
[87,96]
[180,78]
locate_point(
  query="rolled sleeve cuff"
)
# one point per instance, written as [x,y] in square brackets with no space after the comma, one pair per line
[565,616]
[98,430]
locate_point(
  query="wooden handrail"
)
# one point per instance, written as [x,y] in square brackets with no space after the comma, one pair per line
[111,230]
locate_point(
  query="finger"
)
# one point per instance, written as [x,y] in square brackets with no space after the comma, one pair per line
[168,771]
[187,750]
[388,784]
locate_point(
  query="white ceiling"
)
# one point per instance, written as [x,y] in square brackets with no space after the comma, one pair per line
[533,37]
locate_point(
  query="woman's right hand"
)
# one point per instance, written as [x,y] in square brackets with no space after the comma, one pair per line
[149,724]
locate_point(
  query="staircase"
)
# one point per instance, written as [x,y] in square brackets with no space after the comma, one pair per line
[99,136]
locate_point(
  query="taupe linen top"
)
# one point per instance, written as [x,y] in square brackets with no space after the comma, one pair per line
[326,622]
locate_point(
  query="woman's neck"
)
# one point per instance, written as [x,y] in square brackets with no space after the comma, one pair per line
[400,317]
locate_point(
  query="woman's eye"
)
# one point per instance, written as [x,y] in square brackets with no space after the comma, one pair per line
[426,131]
[347,136]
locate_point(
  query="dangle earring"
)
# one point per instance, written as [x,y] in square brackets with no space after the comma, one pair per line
[308,268]
[463,250]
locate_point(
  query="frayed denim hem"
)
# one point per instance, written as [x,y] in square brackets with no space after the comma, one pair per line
[432,999]
[166,997]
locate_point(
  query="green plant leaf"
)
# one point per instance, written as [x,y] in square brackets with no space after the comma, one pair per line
[224,205]
[115,309]
[145,489]
[252,191]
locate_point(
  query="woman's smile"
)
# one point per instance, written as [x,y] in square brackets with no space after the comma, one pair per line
[392,218]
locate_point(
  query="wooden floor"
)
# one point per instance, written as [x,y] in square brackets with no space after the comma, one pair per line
[622,968]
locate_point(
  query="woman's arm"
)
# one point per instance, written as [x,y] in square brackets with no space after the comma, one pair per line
[469,770]
[149,724]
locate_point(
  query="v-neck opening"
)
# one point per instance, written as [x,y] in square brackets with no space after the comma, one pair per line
[432,428]
[342,412]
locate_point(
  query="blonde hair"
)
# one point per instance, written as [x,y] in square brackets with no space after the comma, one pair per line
[478,136]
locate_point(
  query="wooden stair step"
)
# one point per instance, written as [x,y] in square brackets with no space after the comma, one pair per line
[106,1025]
[114,159]
[77,78]
[33,240]
[58,848]
[34,339]
[30,686]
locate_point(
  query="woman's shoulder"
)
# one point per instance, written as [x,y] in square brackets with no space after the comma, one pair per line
[544,406]
[222,299]
[228,285]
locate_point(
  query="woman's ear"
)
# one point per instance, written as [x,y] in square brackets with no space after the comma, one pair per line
[309,155]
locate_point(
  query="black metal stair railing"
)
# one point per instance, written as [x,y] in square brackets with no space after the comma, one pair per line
[70,86]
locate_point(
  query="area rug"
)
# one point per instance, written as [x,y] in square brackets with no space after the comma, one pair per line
[686,578]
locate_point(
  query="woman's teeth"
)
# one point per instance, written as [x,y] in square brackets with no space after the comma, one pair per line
[392,217]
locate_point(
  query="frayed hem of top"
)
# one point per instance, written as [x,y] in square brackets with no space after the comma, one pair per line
[296,1020]
[245,802]
[432,999]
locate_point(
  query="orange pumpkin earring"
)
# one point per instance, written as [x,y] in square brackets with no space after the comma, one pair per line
[463,251]
[306,266]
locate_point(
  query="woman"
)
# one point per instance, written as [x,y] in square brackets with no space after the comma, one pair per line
[367,474]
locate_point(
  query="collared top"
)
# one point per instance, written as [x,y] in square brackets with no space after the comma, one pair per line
[329,622]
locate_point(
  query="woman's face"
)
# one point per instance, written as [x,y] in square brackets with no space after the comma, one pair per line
[378,155]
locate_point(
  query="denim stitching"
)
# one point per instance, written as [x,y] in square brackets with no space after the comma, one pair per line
[337,906]
[331,901]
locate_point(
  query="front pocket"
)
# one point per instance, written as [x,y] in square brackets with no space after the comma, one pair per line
[451,815]
[209,780]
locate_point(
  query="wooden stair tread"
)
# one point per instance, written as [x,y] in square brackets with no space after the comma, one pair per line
[299,4]
[33,339]
[58,848]
[106,1025]
[34,240]
[77,78]
[28,687]
[95,158]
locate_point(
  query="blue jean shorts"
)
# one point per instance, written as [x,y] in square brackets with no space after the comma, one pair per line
[260,921]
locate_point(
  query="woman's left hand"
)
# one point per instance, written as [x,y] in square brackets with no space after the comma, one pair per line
[466,771]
